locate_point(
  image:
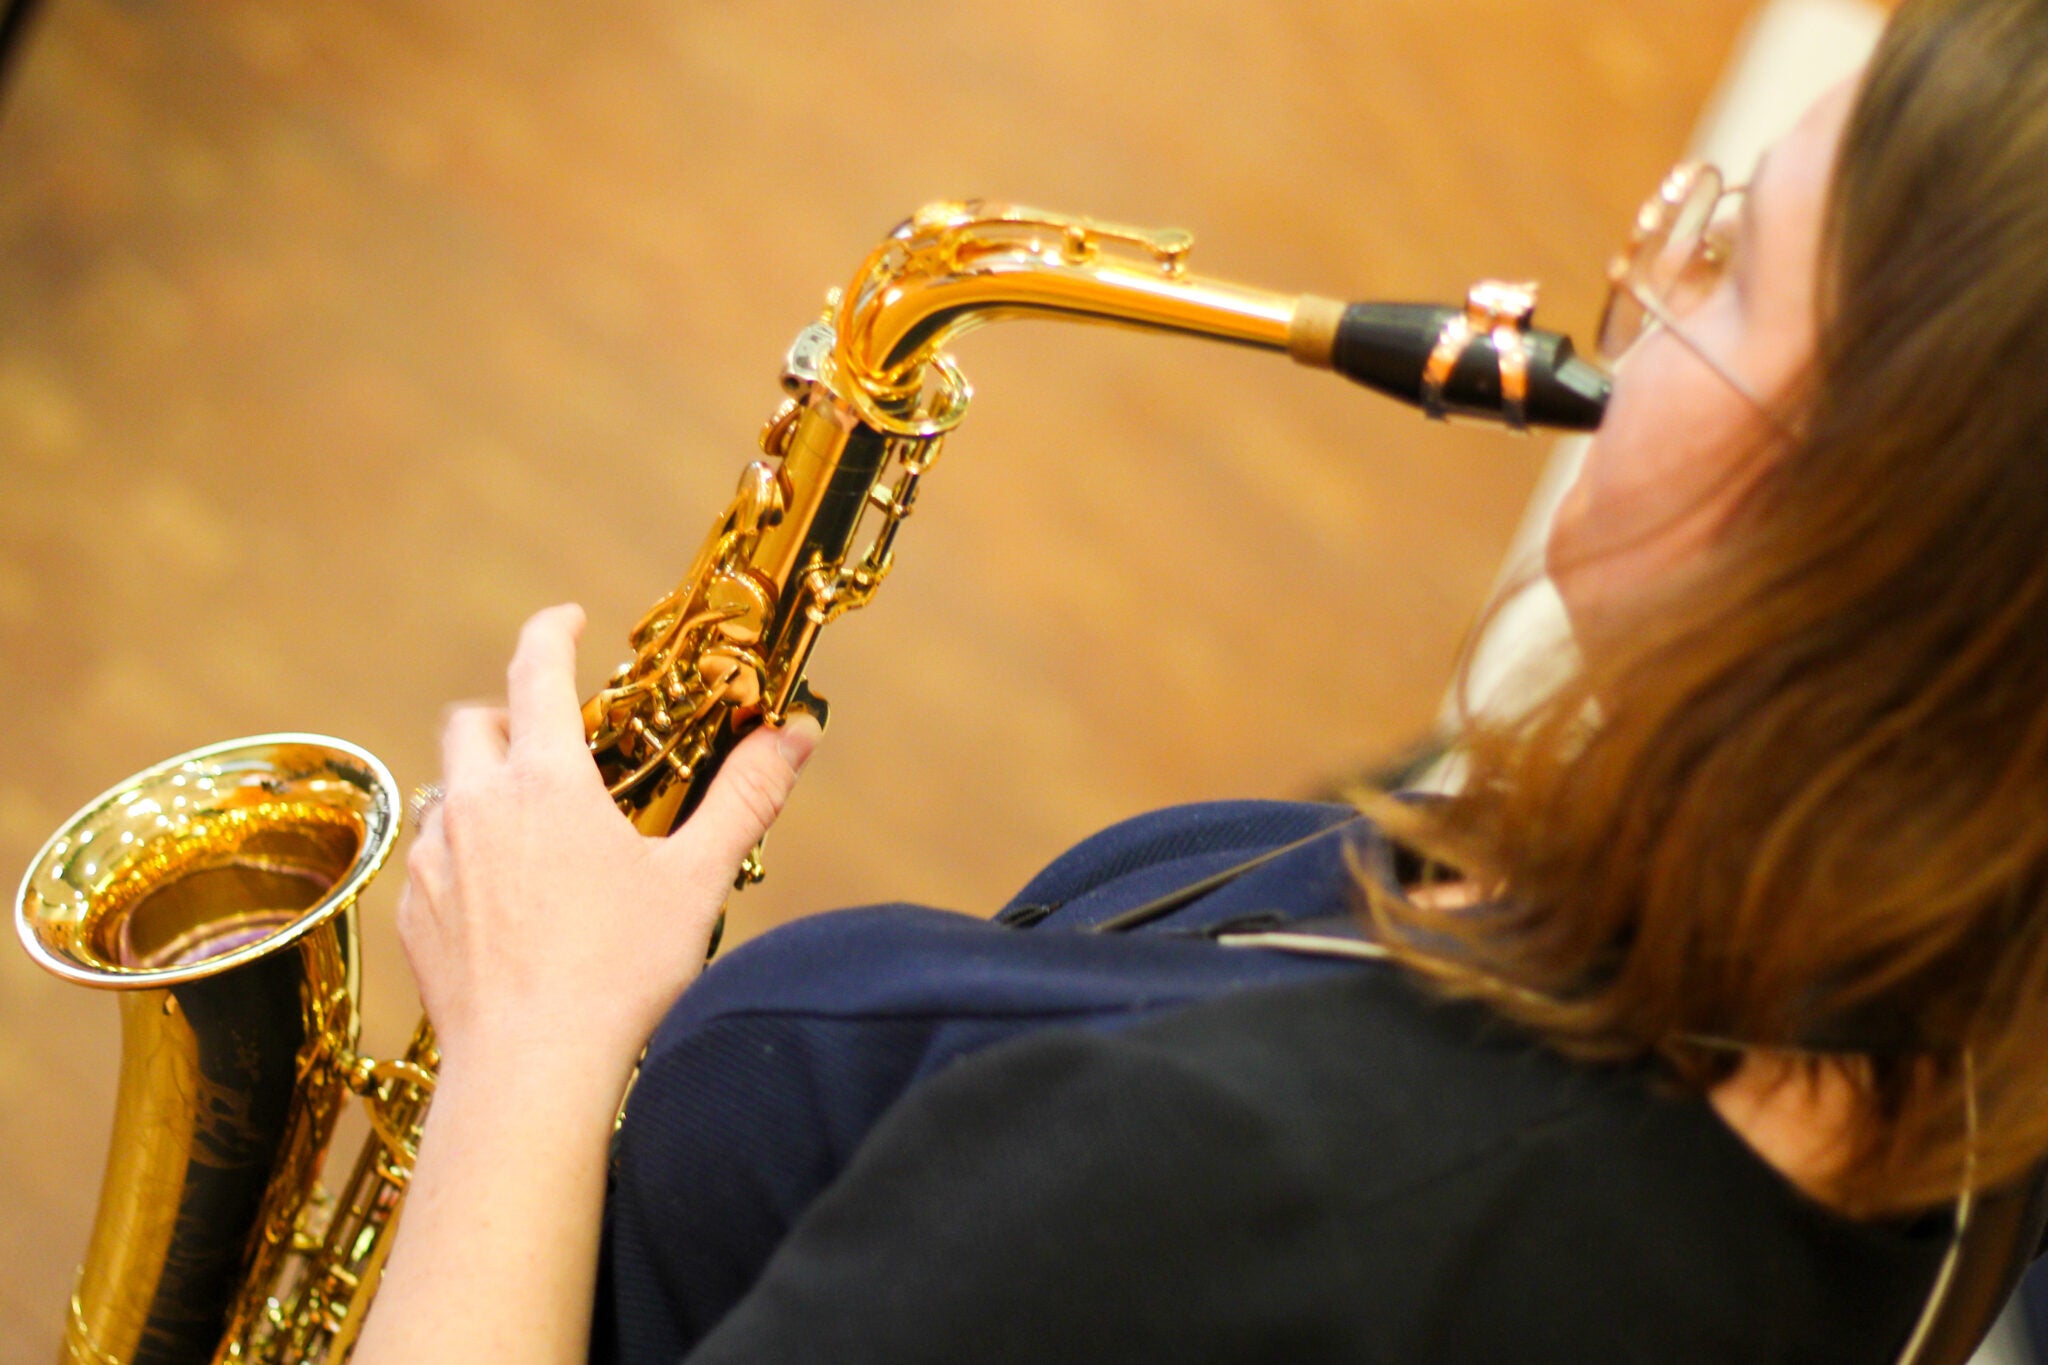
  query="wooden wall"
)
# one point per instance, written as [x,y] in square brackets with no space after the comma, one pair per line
[335,339]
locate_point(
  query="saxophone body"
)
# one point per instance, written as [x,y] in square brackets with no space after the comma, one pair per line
[215,891]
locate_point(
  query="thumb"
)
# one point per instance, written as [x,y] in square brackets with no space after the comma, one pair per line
[749,792]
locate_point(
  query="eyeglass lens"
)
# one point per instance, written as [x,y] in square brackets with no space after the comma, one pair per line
[1674,260]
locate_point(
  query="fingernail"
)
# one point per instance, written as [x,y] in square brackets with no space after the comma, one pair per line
[796,740]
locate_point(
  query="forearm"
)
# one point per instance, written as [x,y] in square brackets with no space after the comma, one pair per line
[496,1254]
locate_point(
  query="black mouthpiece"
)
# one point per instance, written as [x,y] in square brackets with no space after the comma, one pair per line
[1389,347]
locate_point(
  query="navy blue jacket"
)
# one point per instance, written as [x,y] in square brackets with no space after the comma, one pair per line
[774,1066]
[1060,1145]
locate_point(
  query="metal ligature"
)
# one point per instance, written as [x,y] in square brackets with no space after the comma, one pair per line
[215,891]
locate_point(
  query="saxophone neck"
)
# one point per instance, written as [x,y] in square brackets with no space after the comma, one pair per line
[953,266]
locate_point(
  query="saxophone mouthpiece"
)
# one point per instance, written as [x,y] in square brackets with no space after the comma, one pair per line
[1483,361]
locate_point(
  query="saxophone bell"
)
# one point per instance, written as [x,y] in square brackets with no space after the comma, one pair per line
[214,891]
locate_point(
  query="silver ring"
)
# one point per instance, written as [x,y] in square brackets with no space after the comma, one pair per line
[424,798]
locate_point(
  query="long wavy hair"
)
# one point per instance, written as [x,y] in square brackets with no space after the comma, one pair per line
[1803,803]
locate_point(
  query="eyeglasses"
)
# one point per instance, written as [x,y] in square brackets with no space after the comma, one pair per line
[1683,240]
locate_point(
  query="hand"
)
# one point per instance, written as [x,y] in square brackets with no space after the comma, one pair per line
[539,922]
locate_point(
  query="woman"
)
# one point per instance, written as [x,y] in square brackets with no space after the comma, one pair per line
[1740,975]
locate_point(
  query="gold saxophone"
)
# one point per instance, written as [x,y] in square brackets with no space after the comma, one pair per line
[216,890]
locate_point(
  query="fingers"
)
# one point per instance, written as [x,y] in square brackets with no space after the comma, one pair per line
[426,878]
[543,707]
[541,682]
[472,744]
[749,792]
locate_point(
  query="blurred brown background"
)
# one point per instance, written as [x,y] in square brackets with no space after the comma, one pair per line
[335,339]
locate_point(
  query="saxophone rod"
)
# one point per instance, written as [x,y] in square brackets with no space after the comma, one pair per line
[1483,361]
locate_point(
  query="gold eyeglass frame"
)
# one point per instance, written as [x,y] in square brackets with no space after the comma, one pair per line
[1626,272]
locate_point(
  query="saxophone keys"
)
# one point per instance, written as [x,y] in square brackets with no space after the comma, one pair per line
[883,499]
[795,700]
[810,355]
[775,435]
[752,870]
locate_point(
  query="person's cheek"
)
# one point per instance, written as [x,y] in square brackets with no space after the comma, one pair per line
[1619,466]
[1635,473]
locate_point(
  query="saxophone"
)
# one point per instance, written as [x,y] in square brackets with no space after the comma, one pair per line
[216,891]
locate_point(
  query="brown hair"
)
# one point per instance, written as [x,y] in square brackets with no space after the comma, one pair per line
[1810,807]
